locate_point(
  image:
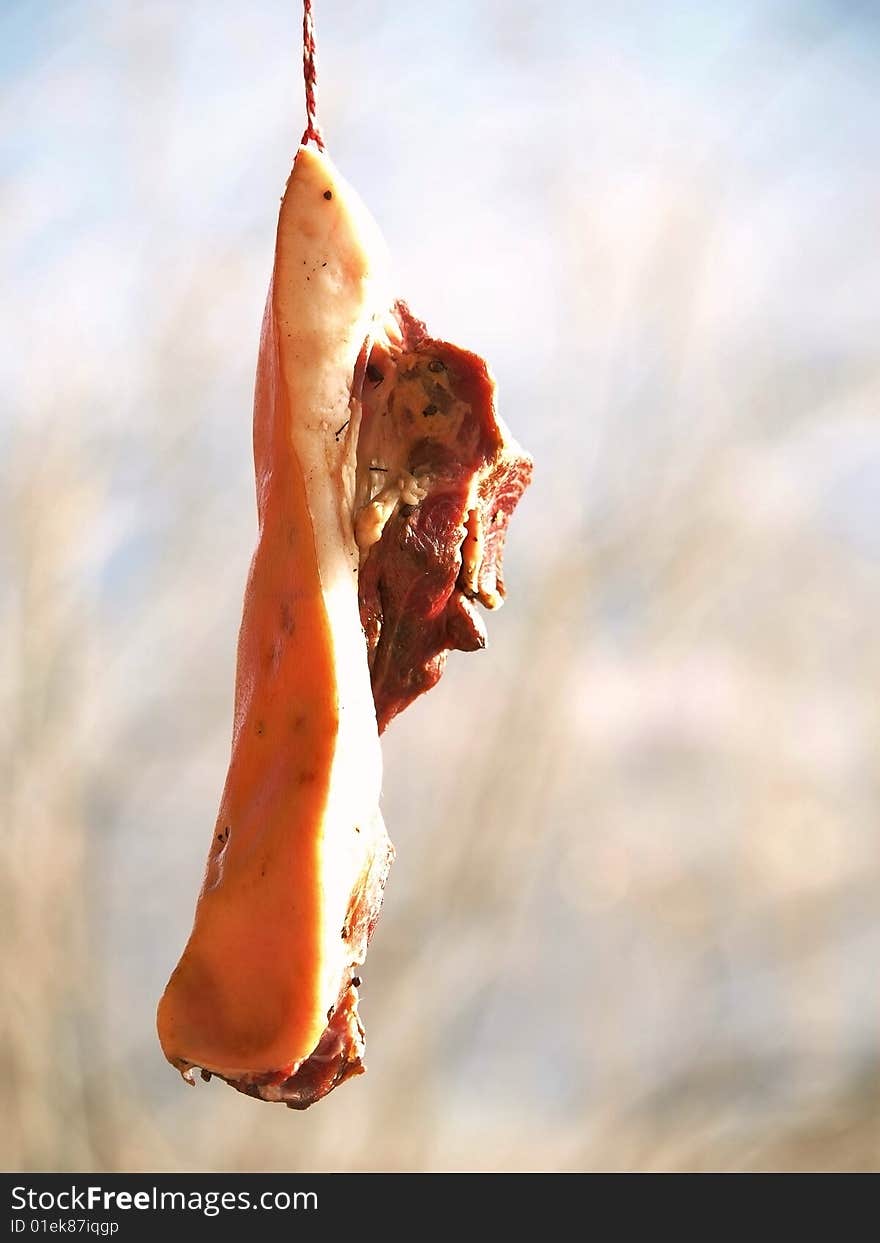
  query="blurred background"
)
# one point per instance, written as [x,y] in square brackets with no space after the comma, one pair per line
[634,920]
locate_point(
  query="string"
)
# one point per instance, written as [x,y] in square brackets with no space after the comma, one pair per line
[312,133]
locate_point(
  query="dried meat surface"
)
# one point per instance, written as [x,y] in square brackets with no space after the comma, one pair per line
[445,475]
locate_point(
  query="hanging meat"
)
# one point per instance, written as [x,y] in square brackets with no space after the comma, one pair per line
[385,483]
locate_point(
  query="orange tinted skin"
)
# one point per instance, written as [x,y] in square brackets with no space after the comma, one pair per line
[244,998]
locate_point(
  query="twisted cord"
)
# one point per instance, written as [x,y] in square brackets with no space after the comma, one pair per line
[312,133]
